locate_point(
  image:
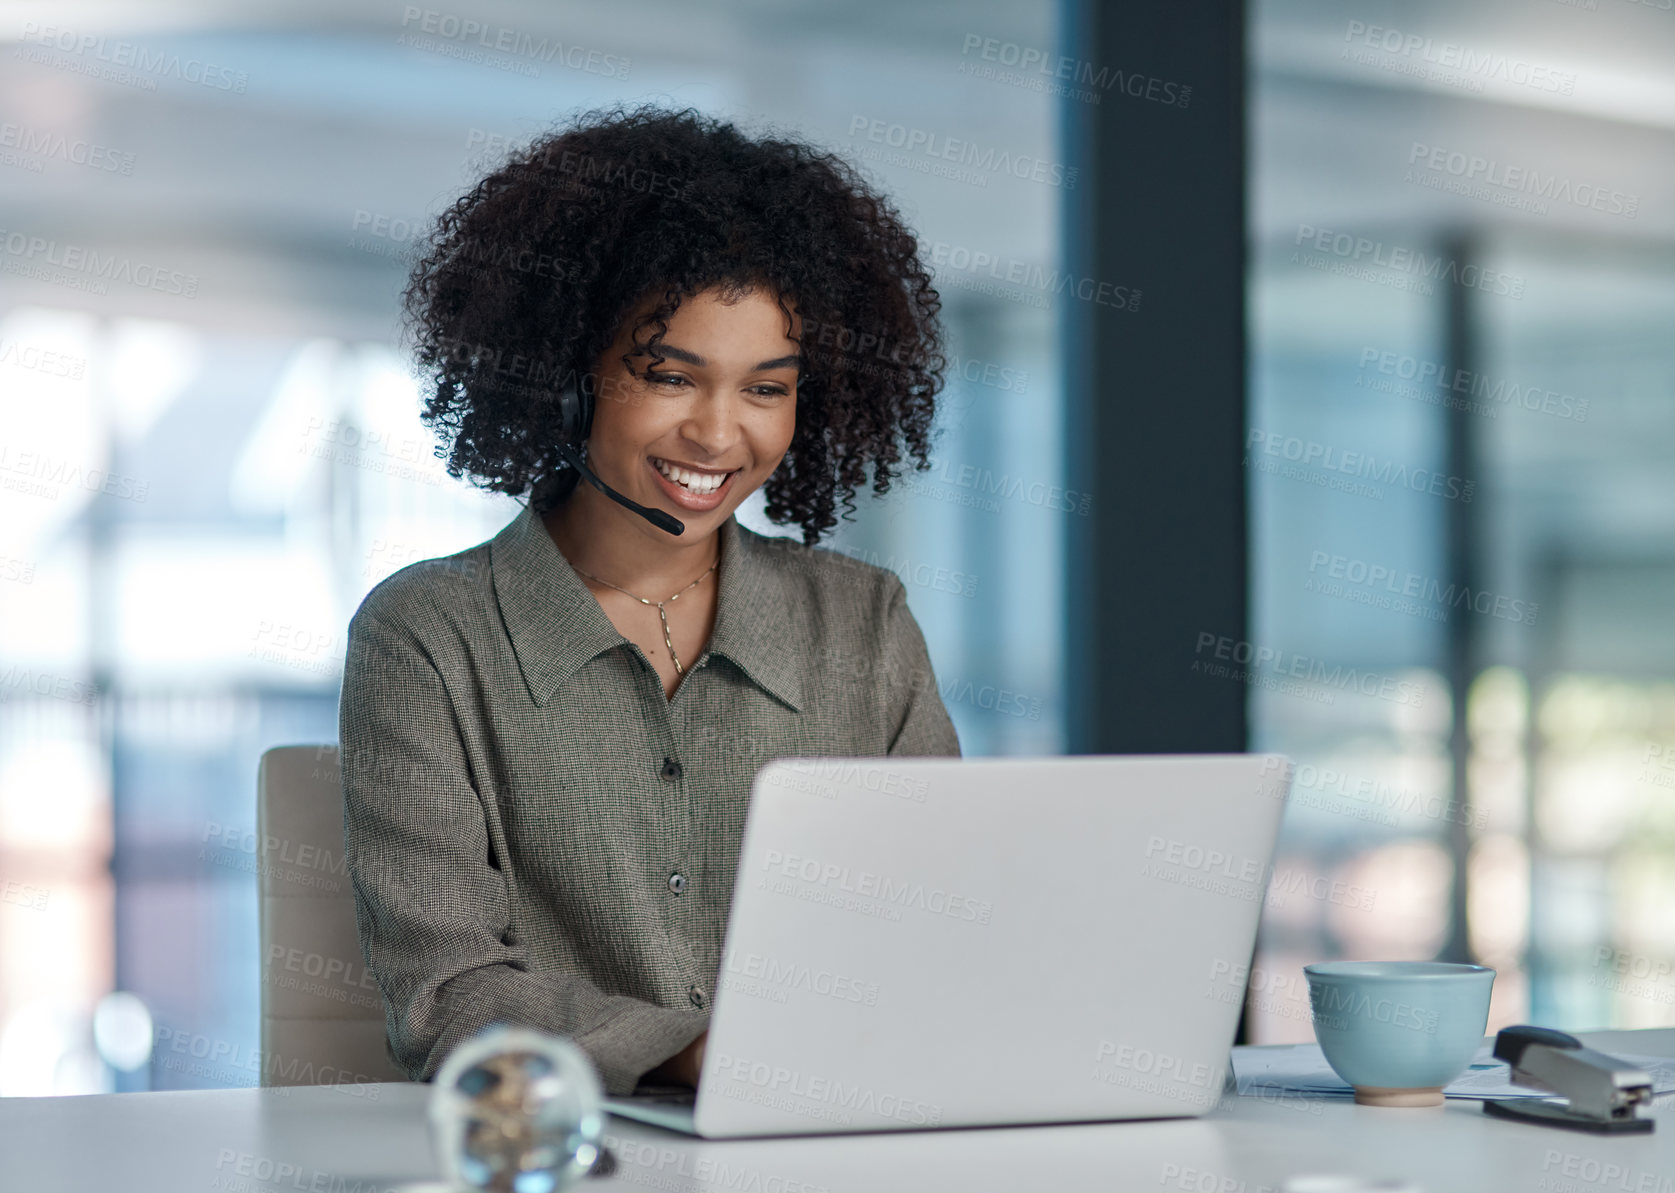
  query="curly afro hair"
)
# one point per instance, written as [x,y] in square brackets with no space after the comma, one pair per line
[527,279]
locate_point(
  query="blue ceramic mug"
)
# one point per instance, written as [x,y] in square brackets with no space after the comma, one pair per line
[1398,1031]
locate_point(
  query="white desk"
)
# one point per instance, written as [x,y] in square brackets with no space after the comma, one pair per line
[358,1139]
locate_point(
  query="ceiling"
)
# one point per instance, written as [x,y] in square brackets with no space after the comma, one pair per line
[337,120]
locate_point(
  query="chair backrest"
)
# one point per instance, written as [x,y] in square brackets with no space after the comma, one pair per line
[322,1013]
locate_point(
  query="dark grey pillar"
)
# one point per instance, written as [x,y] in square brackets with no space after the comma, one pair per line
[1156,394]
[1462,659]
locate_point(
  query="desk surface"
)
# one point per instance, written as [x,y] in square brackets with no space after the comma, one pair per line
[367,1138]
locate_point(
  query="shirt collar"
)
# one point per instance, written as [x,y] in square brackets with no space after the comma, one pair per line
[556,624]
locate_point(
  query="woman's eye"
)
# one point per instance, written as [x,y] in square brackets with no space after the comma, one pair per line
[676,380]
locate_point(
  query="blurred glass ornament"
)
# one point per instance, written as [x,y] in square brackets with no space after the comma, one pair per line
[515,1110]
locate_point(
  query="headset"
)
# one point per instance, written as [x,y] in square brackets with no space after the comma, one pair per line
[575,416]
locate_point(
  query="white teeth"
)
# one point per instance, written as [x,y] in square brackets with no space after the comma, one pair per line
[692,481]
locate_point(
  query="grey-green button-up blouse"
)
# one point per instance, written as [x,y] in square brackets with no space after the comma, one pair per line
[537,835]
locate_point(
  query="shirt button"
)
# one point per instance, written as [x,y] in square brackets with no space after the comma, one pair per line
[671,769]
[696,994]
[677,882]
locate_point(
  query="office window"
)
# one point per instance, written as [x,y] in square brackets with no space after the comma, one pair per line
[1460,428]
[205,470]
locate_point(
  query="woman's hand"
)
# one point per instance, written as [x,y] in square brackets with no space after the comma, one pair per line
[696,1052]
[684,1066]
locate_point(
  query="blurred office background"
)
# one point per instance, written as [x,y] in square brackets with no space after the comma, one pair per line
[1506,340]
[210,452]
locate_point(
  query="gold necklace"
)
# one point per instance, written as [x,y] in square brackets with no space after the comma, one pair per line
[667,639]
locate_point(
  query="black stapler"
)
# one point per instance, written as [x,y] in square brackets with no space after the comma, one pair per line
[1602,1093]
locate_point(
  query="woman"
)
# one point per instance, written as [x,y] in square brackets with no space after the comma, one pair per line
[548,740]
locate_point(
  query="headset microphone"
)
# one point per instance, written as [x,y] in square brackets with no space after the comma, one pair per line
[575,408]
[657,518]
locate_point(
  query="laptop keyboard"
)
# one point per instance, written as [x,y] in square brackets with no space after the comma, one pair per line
[665,1097]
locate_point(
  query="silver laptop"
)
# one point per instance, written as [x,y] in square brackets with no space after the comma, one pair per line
[946,942]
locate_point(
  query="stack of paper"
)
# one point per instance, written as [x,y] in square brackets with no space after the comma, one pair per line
[1301,1069]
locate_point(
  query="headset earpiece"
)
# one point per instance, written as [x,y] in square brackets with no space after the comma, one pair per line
[575,419]
[575,414]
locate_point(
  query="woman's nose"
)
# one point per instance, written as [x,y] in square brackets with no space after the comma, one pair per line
[712,424]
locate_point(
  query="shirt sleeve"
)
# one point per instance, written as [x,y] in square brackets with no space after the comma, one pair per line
[431,900]
[921,726]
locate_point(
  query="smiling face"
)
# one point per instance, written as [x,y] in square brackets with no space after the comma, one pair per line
[711,422]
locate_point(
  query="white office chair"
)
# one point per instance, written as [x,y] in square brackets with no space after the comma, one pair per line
[322,1014]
